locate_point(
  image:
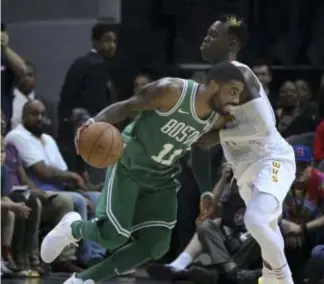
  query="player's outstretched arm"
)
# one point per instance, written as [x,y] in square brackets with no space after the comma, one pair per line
[150,97]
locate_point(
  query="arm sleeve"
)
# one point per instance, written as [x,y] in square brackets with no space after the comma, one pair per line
[261,123]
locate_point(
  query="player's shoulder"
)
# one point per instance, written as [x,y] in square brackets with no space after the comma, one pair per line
[248,74]
[170,83]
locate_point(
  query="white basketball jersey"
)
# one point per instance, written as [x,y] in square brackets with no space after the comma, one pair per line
[252,135]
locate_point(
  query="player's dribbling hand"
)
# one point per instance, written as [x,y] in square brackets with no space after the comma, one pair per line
[79,131]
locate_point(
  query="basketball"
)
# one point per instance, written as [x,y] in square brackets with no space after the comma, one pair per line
[101,145]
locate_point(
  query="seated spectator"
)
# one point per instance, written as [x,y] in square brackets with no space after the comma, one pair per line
[9,210]
[314,269]
[319,135]
[47,169]
[223,248]
[319,146]
[308,107]
[303,215]
[295,116]
[55,206]
[287,107]
[262,71]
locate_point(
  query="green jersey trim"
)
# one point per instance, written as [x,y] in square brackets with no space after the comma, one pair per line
[193,109]
[183,94]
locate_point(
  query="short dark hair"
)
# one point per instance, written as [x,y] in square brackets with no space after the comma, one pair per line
[99,29]
[30,102]
[236,26]
[30,64]
[225,72]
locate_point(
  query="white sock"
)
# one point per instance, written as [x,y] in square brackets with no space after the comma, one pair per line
[182,261]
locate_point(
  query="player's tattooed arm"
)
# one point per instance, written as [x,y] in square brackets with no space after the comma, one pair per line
[151,96]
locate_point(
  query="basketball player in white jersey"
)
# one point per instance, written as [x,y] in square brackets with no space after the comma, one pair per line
[263,162]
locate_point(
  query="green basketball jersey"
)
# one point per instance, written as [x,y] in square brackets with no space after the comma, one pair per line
[156,140]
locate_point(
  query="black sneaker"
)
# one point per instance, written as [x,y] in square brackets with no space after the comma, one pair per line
[166,273]
[199,275]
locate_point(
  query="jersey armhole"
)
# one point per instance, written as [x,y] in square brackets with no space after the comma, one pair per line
[176,106]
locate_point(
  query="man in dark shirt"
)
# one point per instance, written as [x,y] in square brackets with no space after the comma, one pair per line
[85,84]
[12,65]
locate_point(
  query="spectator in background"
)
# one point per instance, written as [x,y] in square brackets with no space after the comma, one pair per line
[85,84]
[23,92]
[303,215]
[48,170]
[319,146]
[9,210]
[221,245]
[55,206]
[140,81]
[262,71]
[288,106]
[26,227]
[308,108]
[12,65]
[314,273]
[319,134]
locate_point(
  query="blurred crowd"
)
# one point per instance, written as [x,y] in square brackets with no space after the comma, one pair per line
[42,178]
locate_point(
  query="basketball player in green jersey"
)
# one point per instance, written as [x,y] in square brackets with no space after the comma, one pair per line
[138,204]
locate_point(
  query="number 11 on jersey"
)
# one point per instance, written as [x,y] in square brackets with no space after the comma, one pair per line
[167,150]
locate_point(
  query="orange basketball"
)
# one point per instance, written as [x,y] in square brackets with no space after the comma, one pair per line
[101,145]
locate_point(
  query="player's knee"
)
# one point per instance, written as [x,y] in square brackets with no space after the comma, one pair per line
[157,243]
[253,219]
[111,238]
[205,227]
[161,247]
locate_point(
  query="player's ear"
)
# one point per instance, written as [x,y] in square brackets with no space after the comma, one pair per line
[233,44]
[213,86]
